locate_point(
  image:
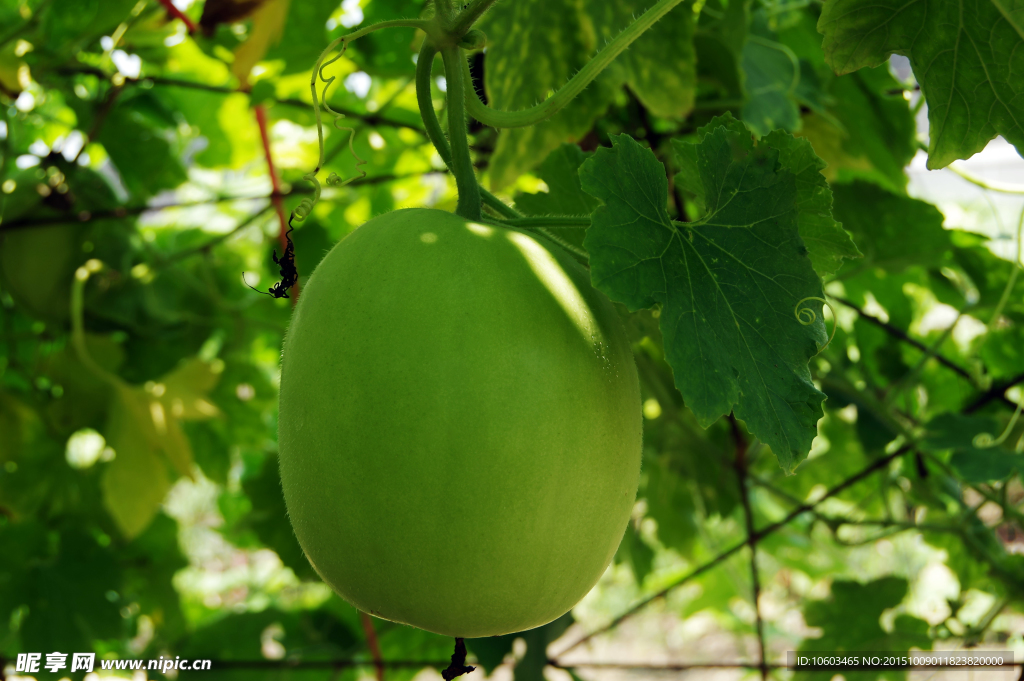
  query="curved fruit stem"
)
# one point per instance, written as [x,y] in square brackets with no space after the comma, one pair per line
[462,163]
[424,63]
[550,106]
[435,134]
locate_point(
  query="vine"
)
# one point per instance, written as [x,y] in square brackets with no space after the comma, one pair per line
[807,317]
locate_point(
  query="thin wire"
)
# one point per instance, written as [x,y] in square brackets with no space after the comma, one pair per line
[759,535]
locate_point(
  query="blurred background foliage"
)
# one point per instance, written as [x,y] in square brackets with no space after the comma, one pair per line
[140,505]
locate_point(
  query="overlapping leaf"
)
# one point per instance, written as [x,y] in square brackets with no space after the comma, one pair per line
[537,45]
[895,230]
[850,621]
[968,57]
[727,284]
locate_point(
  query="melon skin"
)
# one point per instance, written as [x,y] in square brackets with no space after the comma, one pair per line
[460,425]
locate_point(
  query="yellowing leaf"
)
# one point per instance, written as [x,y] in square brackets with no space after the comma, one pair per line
[184,389]
[135,482]
[144,430]
[267,28]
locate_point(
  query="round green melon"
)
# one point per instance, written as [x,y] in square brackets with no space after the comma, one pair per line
[460,425]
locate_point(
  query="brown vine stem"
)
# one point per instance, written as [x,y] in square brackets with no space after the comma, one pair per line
[282,239]
[372,643]
[748,514]
[873,467]
[902,335]
[178,14]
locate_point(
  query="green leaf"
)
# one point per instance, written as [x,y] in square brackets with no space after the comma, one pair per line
[974,464]
[967,55]
[565,195]
[145,433]
[728,284]
[719,40]
[537,45]
[986,465]
[659,67]
[312,242]
[152,560]
[385,53]
[305,35]
[135,483]
[492,650]
[141,153]
[772,76]
[893,231]
[849,620]
[268,24]
[37,266]
[69,26]
[670,502]
[828,244]
[638,553]
[65,592]
[866,133]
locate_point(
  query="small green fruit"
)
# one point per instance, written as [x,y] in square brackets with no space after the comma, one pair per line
[460,425]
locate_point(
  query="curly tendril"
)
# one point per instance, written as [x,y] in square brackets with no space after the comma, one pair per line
[306,205]
[807,316]
[986,441]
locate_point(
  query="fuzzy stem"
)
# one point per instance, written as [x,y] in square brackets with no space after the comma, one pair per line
[462,163]
[424,63]
[470,15]
[550,106]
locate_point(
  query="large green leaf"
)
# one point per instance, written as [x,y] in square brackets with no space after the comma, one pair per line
[565,196]
[727,284]
[659,67]
[304,36]
[828,244]
[866,132]
[772,78]
[850,622]
[140,150]
[967,55]
[64,578]
[892,230]
[537,45]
